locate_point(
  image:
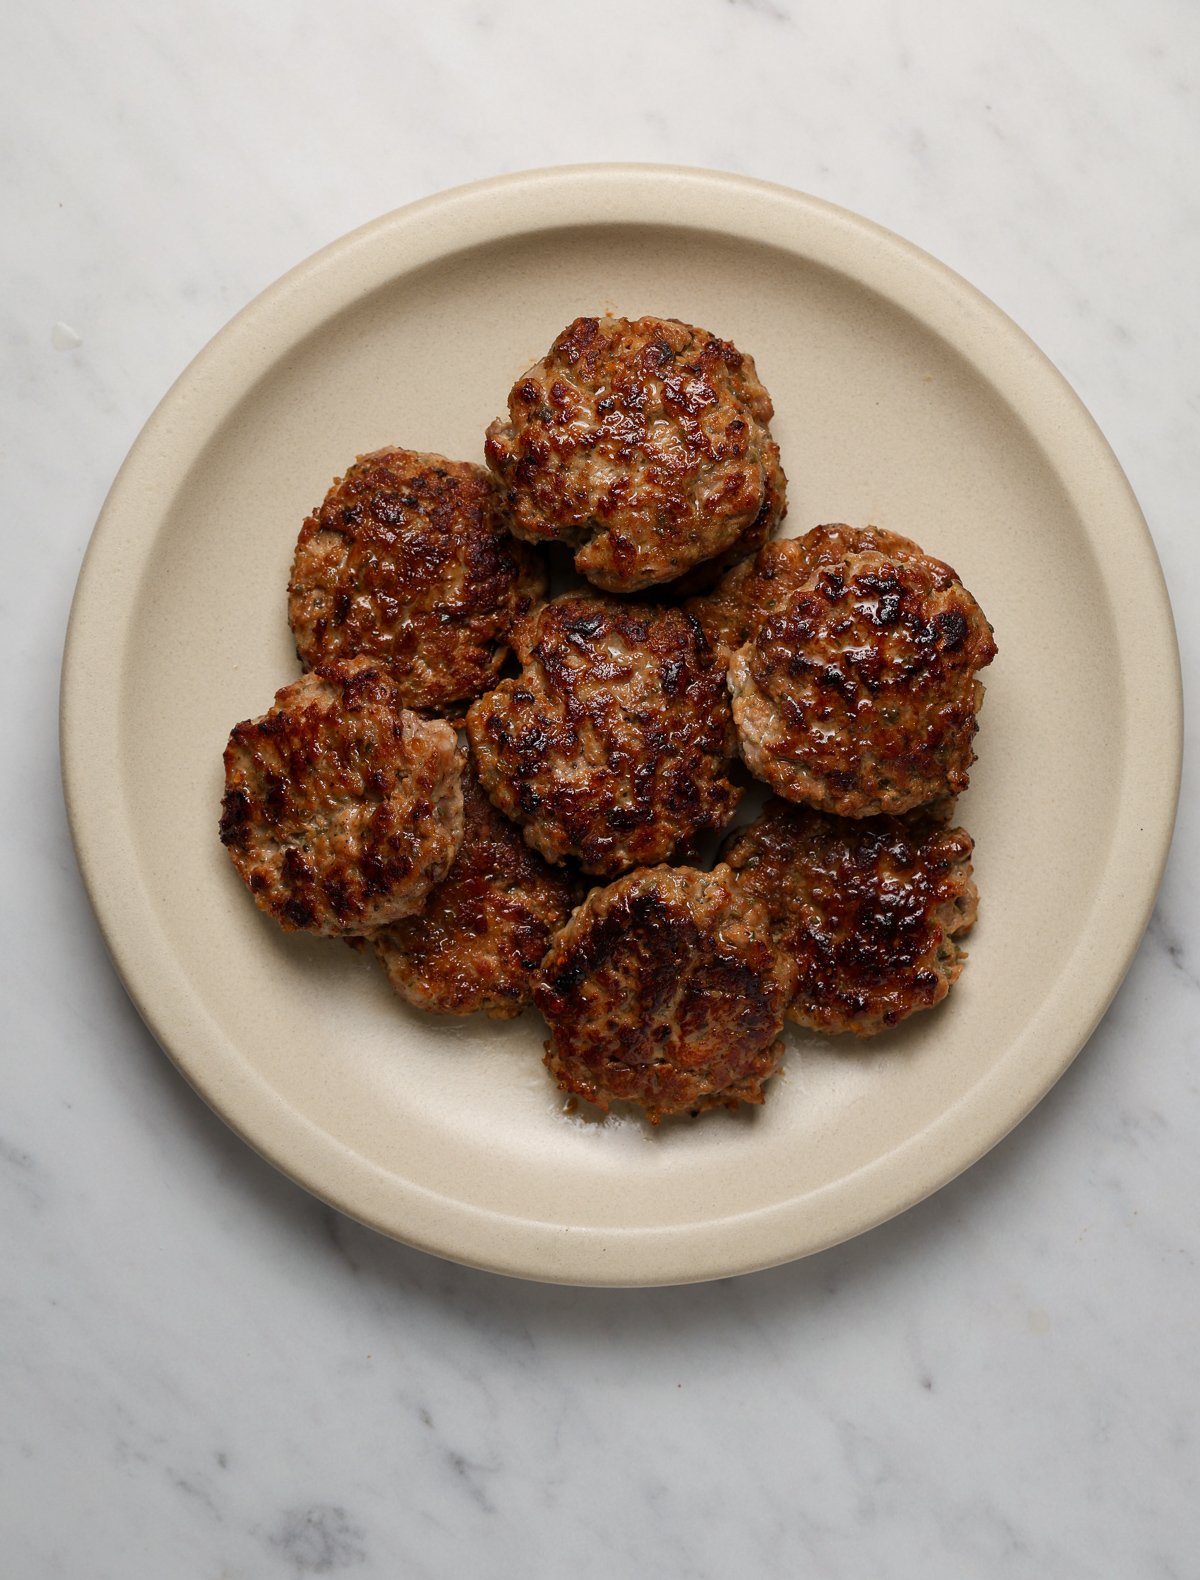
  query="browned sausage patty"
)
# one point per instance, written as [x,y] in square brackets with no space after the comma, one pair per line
[869,910]
[703,577]
[485,928]
[763,582]
[342,809]
[642,444]
[665,990]
[407,562]
[615,743]
[856,693]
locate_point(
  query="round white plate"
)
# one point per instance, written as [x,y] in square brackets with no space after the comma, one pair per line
[903,398]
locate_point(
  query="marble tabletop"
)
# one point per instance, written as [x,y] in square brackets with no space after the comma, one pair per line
[205,1372]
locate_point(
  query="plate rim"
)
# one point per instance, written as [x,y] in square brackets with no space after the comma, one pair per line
[395,244]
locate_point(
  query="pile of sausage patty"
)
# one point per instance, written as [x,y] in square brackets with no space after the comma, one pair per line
[509,796]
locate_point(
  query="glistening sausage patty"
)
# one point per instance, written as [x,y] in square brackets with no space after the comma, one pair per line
[342,809]
[704,578]
[485,927]
[665,990]
[762,583]
[407,561]
[869,910]
[614,744]
[644,445]
[856,692]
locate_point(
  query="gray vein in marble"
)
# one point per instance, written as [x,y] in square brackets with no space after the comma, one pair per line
[764,8]
[319,1539]
[26,1177]
[471,1473]
[1171,944]
[194,1489]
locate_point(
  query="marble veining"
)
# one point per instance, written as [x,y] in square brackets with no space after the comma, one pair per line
[206,1372]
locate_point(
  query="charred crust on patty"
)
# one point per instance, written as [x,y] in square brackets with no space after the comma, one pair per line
[342,808]
[408,562]
[703,578]
[855,691]
[869,910]
[485,929]
[756,585]
[614,745]
[665,990]
[644,445]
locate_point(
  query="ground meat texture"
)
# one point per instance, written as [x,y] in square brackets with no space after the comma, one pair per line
[857,693]
[762,584]
[407,562]
[614,744]
[644,445]
[665,990]
[869,910]
[342,809]
[703,577]
[485,928]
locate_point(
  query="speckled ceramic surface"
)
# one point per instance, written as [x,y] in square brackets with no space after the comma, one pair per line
[903,398]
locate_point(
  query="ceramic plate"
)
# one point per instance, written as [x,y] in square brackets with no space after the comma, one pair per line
[903,398]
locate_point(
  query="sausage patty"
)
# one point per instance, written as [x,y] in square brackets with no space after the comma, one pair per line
[407,562]
[642,444]
[856,691]
[868,909]
[665,990]
[614,744]
[761,583]
[486,926]
[342,809]
[703,578]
